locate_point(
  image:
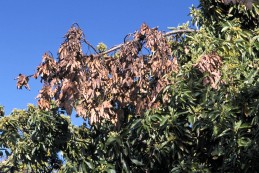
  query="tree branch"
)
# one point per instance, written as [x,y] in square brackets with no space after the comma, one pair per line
[179,31]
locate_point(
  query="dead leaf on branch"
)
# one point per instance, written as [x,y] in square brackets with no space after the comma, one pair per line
[22,80]
[211,65]
[45,96]
[47,68]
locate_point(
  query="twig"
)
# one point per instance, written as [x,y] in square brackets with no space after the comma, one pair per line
[84,40]
[21,74]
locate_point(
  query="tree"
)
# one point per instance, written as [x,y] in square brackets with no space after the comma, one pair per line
[184,101]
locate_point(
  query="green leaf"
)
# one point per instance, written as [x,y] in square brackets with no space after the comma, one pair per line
[27,156]
[136,124]
[110,171]
[224,28]
[237,125]
[245,126]
[244,142]
[89,164]
[136,162]
[224,133]
[110,140]
[164,120]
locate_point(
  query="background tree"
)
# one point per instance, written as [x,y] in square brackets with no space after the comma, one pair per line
[183,101]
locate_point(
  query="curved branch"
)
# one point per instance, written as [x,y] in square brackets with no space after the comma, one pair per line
[86,42]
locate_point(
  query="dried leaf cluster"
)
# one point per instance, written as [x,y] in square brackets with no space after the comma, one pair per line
[210,65]
[101,86]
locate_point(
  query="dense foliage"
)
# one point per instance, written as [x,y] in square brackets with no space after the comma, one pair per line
[186,102]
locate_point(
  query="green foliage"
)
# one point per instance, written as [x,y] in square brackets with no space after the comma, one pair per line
[33,137]
[101,47]
[196,128]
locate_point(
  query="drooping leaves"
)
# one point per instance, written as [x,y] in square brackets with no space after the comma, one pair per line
[105,86]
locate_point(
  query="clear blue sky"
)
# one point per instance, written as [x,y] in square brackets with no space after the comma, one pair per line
[29,28]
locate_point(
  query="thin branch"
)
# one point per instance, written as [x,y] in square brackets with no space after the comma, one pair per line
[84,40]
[25,76]
[179,31]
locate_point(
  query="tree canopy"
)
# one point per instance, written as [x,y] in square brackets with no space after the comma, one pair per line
[182,101]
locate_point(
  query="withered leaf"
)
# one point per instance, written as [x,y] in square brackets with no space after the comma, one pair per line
[129,79]
[22,80]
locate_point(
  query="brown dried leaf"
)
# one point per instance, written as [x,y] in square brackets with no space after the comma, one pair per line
[22,80]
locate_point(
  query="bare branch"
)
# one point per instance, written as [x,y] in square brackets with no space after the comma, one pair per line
[179,31]
[112,49]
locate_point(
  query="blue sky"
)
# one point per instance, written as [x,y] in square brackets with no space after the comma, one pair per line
[29,28]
